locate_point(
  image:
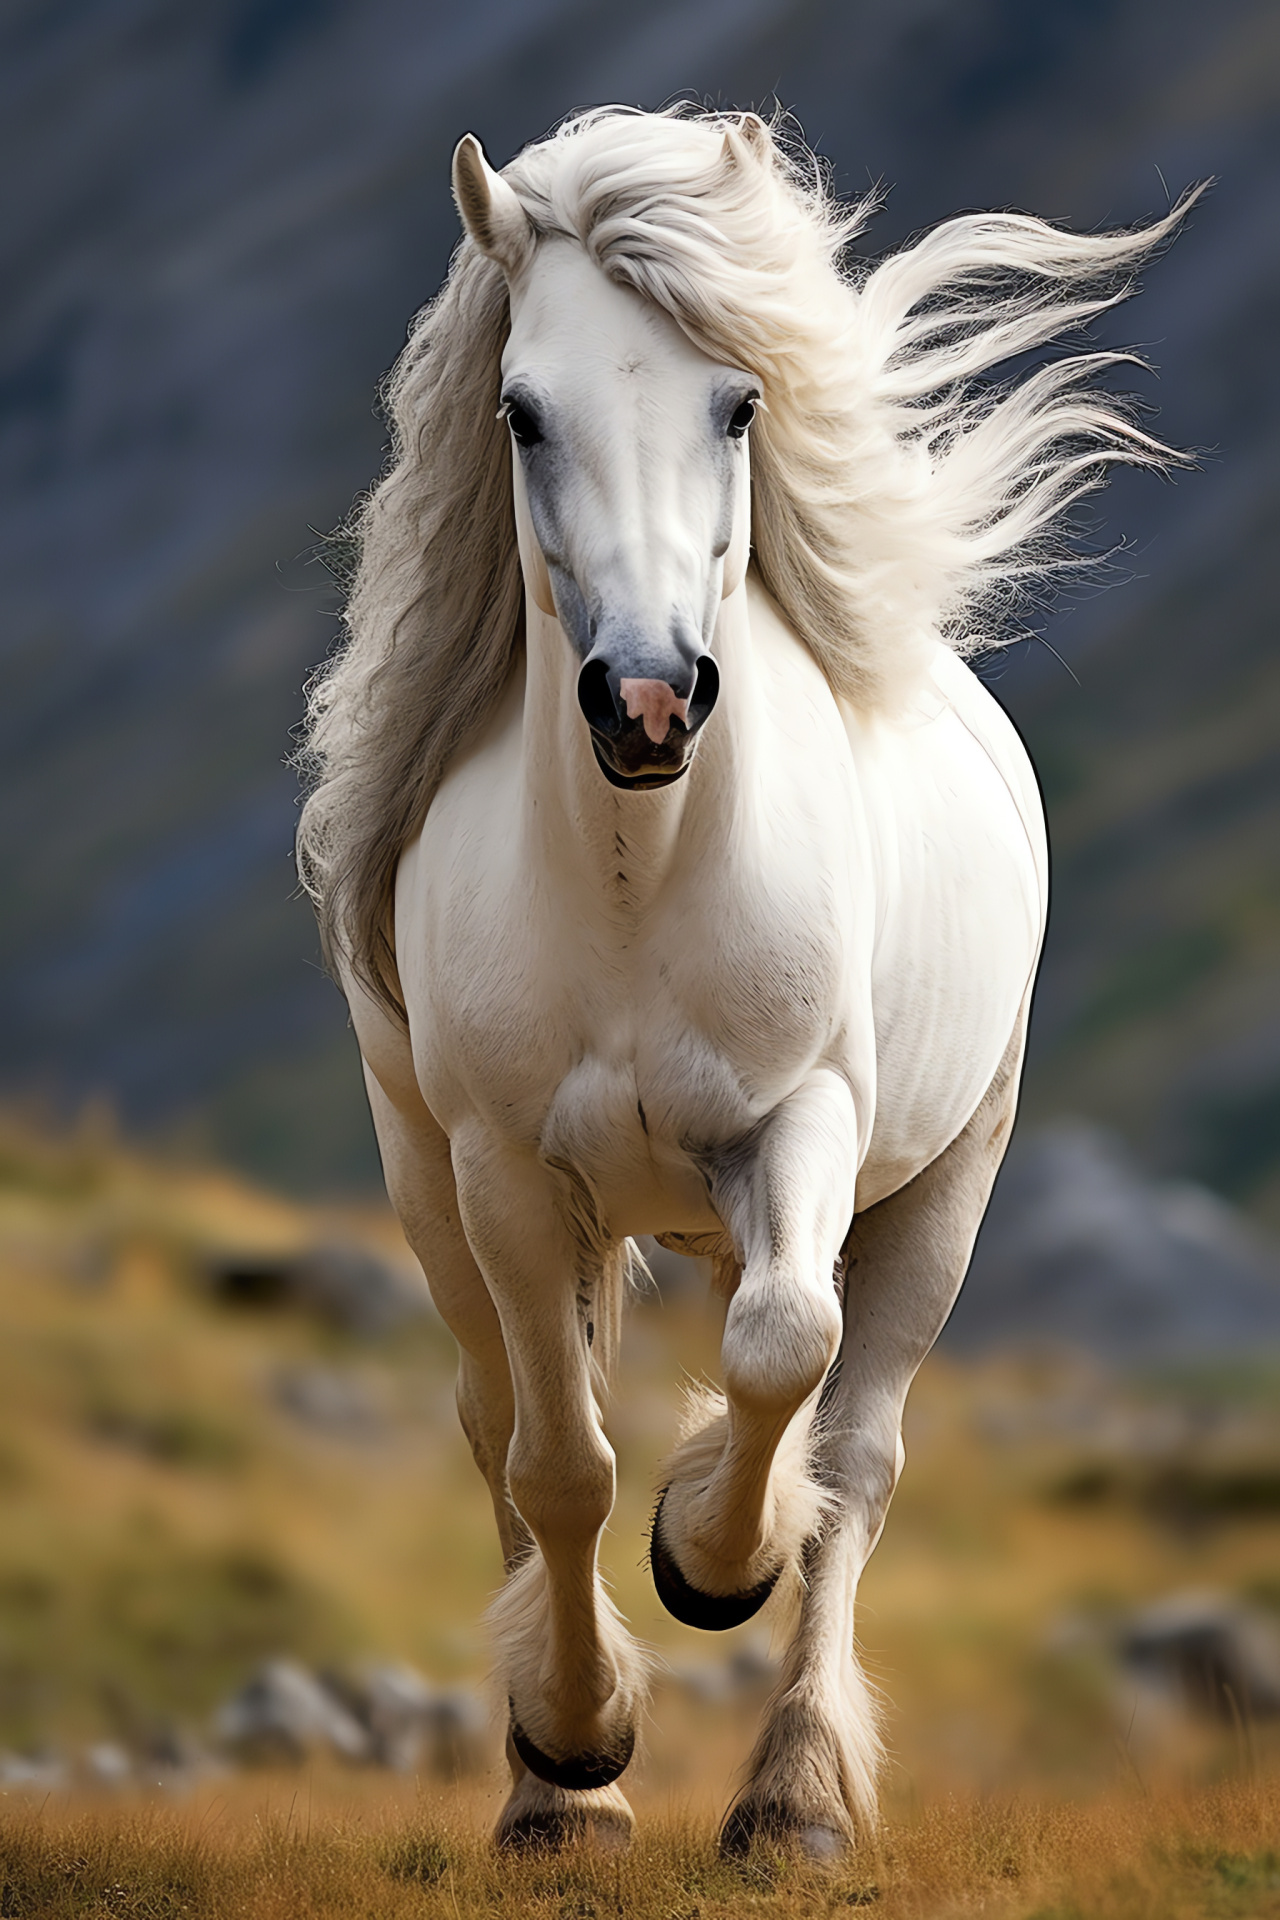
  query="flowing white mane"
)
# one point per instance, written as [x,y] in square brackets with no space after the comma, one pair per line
[894,499]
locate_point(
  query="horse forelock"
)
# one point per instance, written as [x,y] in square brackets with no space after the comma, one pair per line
[894,502]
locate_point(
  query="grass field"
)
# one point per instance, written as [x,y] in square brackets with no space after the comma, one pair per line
[276,1853]
[168,1521]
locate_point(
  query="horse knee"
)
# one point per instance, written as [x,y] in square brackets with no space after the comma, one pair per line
[779,1341]
[563,1495]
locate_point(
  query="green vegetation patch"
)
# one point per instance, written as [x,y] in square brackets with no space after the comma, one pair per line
[1239,1140]
[155,1631]
[1181,1493]
[416,1856]
[175,1436]
[1152,978]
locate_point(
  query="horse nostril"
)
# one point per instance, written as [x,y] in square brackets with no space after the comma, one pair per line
[706,690]
[595,697]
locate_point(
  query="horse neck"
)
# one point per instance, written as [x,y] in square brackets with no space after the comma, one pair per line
[621,845]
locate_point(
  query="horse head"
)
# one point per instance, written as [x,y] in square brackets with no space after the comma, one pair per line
[631,482]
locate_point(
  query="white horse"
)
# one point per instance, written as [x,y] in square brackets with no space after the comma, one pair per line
[682,878]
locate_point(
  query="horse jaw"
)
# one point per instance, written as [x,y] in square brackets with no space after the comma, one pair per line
[738,553]
[533,565]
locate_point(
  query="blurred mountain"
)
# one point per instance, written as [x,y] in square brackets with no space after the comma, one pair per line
[1080,1251]
[219,218]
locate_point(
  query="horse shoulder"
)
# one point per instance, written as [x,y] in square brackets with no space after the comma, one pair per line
[468,945]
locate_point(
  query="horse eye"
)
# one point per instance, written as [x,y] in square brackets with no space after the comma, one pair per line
[524,428]
[740,419]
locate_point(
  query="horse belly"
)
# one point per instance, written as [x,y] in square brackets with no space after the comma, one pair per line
[961,933]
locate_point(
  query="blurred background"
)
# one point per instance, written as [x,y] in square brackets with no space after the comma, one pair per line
[225,1424]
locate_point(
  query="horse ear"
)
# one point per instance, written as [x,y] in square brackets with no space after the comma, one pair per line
[490,211]
[754,135]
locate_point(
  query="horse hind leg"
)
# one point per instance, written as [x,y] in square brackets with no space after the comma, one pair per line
[811,1779]
[739,1502]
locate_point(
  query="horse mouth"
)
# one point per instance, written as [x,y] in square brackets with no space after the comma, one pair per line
[654,769]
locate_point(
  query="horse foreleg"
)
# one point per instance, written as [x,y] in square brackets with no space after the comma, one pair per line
[419,1175]
[739,1504]
[812,1776]
[572,1673]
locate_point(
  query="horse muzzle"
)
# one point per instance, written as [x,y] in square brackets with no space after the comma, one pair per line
[643,730]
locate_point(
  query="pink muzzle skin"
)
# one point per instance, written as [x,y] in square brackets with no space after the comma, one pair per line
[654,702]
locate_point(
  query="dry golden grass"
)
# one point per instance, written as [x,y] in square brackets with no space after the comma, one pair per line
[164,1523]
[276,1851]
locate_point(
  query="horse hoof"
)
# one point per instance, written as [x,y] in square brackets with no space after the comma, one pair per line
[820,1846]
[713,1612]
[552,1830]
[581,1771]
[538,1830]
[817,1844]
[542,1819]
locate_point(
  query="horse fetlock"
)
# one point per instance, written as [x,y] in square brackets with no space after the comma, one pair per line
[574,1678]
[595,1758]
[567,1739]
[727,1597]
[817,1758]
[723,1545]
[738,1507]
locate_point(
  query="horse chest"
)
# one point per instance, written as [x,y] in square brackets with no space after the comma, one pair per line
[621,1045]
[686,1057]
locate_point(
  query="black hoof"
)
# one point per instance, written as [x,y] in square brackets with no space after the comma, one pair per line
[539,1832]
[542,1831]
[713,1612]
[582,1771]
[739,1831]
[818,1845]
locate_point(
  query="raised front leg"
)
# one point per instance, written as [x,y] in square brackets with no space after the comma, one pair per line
[739,1503]
[812,1775]
[572,1672]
